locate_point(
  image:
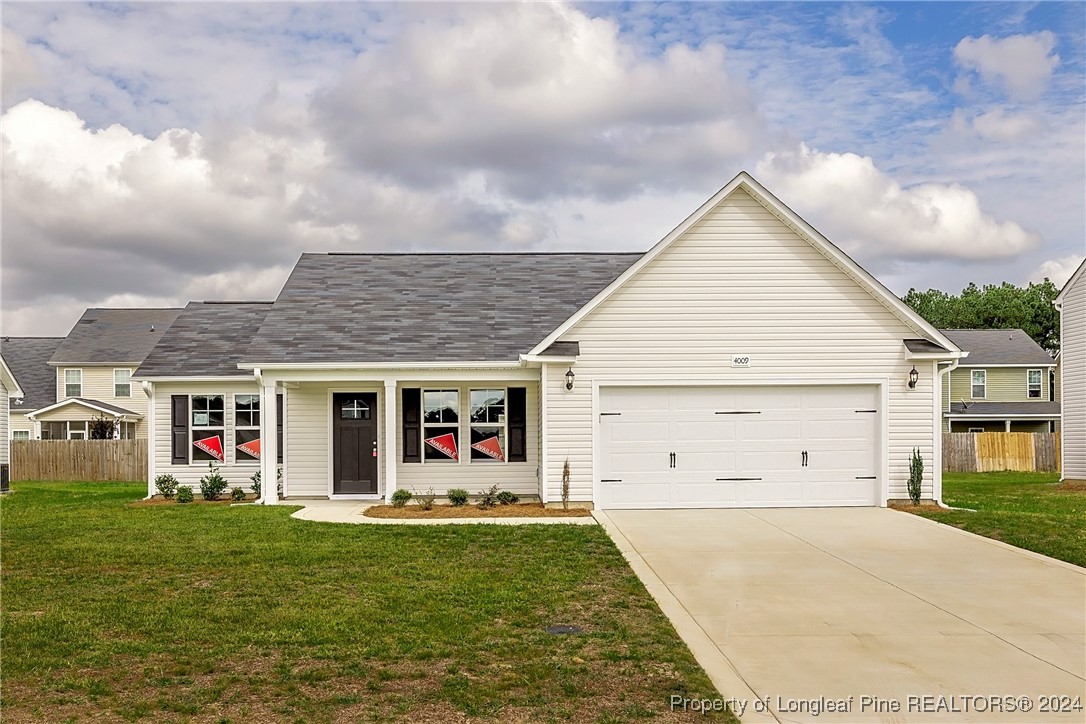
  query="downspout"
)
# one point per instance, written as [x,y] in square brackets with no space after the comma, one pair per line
[938,489]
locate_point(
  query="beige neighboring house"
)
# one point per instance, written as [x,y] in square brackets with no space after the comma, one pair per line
[1071,302]
[1004,385]
[93,369]
[28,358]
[9,388]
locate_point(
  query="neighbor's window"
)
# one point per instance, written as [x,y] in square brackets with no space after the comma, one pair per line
[976,429]
[1033,380]
[441,425]
[126,430]
[54,430]
[247,428]
[77,431]
[122,383]
[208,427]
[488,425]
[20,434]
[73,383]
[980,385]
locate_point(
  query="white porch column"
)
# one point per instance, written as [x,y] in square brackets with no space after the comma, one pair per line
[269,423]
[1006,426]
[149,389]
[543,457]
[389,452]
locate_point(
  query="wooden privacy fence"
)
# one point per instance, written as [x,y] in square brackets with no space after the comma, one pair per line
[92,460]
[982,452]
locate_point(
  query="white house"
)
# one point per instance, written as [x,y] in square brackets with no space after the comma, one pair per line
[9,388]
[1071,302]
[742,361]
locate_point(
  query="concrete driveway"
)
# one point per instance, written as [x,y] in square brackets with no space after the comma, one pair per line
[811,606]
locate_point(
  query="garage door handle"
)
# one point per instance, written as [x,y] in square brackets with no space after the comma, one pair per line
[866,410]
[672,459]
[610,480]
[867,477]
[741,412]
[803,459]
[735,479]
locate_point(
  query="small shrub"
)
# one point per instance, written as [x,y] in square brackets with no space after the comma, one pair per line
[565,485]
[166,485]
[237,494]
[184,494]
[488,498]
[507,497]
[916,476]
[426,500]
[213,484]
[400,498]
[457,496]
[255,477]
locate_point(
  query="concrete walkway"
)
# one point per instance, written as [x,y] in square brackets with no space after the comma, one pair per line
[350,511]
[805,605]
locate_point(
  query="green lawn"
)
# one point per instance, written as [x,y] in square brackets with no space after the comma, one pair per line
[242,613]
[1028,510]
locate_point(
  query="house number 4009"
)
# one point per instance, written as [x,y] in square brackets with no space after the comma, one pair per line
[740,360]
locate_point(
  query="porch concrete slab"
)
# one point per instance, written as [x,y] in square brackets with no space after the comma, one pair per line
[350,511]
[808,603]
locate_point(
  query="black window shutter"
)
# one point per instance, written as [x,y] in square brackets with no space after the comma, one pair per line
[518,425]
[279,428]
[411,401]
[179,443]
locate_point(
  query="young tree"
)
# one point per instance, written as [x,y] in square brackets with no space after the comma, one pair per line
[103,428]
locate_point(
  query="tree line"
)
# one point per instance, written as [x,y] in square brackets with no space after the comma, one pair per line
[1003,306]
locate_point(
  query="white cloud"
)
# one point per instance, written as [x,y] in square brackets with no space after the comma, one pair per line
[543,100]
[1056,270]
[999,124]
[867,212]
[19,68]
[1022,64]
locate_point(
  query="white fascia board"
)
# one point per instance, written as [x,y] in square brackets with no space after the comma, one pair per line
[84,403]
[547,359]
[391,366]
[507,374]
[197,379]
[938,356]
[12,384]
[980,365]
[1029,416]
[796,223]
[1058,301]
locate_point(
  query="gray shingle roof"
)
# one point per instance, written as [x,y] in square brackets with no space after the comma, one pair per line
[114,336]
[206,340]
[562,349]
[28,358]
[1010,409]
[402,308]
[923,345]
[998,347]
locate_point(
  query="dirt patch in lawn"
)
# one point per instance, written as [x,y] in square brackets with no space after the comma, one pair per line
[519,510]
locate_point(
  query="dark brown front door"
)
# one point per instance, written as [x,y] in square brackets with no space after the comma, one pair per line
[354,454]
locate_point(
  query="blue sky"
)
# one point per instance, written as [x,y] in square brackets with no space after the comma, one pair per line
[191,151]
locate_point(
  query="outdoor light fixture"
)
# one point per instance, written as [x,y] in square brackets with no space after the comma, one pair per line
[913,377]
[569,378]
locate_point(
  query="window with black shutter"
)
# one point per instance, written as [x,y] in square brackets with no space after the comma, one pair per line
[411,402]
[179,440]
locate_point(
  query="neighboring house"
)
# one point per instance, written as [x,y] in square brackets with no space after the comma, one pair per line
[1004,385]
[9,388]
[1071,302]
[93,369]
[742,361]
[28,358]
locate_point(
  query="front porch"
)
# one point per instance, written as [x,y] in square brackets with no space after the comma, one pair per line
[358,436]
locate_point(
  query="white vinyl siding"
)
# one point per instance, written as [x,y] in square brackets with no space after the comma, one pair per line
[740,281]
[5,447]
[99,383]
[237,475]
[1073,381]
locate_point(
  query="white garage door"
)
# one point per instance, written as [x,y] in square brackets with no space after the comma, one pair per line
[694,447]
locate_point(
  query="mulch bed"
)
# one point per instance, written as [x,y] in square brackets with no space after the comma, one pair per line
[196,501]
[519,510]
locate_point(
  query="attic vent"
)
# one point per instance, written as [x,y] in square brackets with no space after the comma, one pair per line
[152,328]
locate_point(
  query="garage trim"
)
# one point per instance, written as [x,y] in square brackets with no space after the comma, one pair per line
[882,385]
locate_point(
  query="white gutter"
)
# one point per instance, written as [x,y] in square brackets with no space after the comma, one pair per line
[383,366]
[149,390]
[938,490]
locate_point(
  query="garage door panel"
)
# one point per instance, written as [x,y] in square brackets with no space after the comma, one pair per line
[714,452]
